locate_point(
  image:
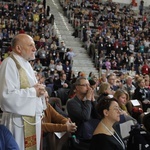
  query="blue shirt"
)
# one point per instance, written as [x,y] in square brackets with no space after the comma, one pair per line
[7,141]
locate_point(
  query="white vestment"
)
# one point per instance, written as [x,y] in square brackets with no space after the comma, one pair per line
[16,102]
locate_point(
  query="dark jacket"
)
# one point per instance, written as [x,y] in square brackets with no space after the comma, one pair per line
[141,94]
[83,113]
[58,85]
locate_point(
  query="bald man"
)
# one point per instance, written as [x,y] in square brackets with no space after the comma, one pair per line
[19,98]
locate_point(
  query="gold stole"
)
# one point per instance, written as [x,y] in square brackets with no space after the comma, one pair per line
[29,121]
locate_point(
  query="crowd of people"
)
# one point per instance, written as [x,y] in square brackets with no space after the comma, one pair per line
[35,66]
[115,36]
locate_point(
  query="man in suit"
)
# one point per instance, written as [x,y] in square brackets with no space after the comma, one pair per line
[62,88]
[62,82]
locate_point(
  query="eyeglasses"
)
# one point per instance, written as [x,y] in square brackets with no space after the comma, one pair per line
[116,109]
[83,84]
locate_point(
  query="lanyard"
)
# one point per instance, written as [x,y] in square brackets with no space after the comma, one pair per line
[118,139]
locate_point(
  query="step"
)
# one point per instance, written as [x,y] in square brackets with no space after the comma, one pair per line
[82,61]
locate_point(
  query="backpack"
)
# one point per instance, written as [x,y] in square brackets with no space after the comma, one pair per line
[139,139]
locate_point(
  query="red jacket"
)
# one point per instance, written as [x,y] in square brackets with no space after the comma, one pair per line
[145,69]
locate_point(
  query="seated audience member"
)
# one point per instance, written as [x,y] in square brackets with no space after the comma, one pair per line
[103,78]
[61,82]
[38,66]
[147,78]
[145,68]
[93,85]
[81,109]
[72,91]
[54,122]
[90,76]
[62,87]
[7,141]
[68,70]
[111,79]
[147,84]
[141,94]
[122,98]
[59,67]
[129,87]
[139,138]
[104,90]
[52,65]
[105,136]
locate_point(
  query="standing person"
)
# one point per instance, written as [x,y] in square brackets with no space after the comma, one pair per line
[105,137]
[70,54]
[44,4]
[20,94]
[141,7]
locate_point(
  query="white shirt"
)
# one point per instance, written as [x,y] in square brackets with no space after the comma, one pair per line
[16,102]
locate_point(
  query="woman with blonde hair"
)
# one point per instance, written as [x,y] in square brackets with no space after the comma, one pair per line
[104,90]
[122,97]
